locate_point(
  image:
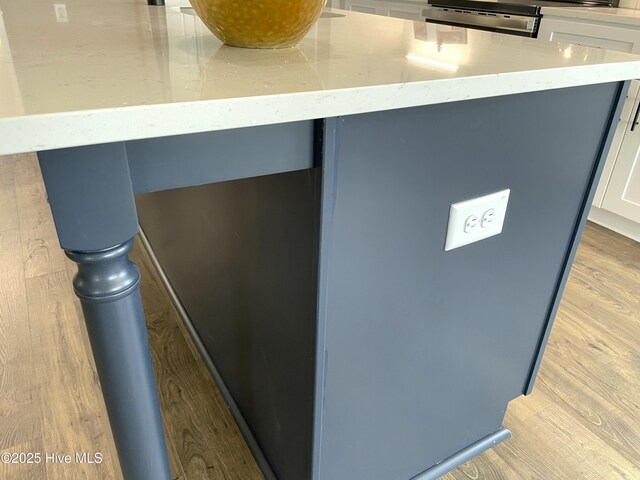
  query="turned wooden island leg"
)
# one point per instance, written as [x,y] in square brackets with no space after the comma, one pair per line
[90,193]
[108,286]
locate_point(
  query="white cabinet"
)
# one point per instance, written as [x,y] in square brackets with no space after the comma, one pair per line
[616,204]
[363,7]
[406,10]
[624,124]
[622,195]
[590,34]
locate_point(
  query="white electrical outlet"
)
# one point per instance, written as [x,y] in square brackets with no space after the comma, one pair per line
[476,219]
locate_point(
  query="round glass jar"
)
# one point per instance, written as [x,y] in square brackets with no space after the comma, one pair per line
[259,23]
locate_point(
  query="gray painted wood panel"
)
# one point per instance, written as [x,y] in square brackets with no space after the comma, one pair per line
[186,160]
[426,347]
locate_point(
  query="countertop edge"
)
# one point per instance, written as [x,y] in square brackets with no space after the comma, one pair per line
[39,132]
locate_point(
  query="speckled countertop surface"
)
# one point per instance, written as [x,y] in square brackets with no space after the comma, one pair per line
[103,71]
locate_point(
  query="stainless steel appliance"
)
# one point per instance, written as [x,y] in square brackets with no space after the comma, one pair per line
[513,17]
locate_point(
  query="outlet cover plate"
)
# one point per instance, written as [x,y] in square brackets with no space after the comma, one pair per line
[476,219]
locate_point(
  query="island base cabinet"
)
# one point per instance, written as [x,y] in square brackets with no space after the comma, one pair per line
[350,344]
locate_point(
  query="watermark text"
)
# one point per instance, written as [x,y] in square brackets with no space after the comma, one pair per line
[25,458]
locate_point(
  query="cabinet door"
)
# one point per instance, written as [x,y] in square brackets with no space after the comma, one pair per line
[407,11]
[590,35]
[628,110]
[362,7]
[622,194]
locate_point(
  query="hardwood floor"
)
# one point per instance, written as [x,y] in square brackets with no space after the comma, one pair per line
[582,421]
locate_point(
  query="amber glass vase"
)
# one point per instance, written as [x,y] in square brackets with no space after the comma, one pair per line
[259,23]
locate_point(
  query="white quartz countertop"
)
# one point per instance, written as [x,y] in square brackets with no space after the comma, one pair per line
[88,71]
[621,16]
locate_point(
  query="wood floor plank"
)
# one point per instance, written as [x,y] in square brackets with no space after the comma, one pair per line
[590,456]
[616,320]
[40,248]
[592,257]
[606,378]
[602,418]
[622,253]
[73,413]
[607,290]
[19,398]
[602,344]
[8,204]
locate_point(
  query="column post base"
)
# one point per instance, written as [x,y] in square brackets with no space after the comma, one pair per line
[108,285]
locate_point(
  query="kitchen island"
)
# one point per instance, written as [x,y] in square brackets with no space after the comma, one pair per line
[309,261]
